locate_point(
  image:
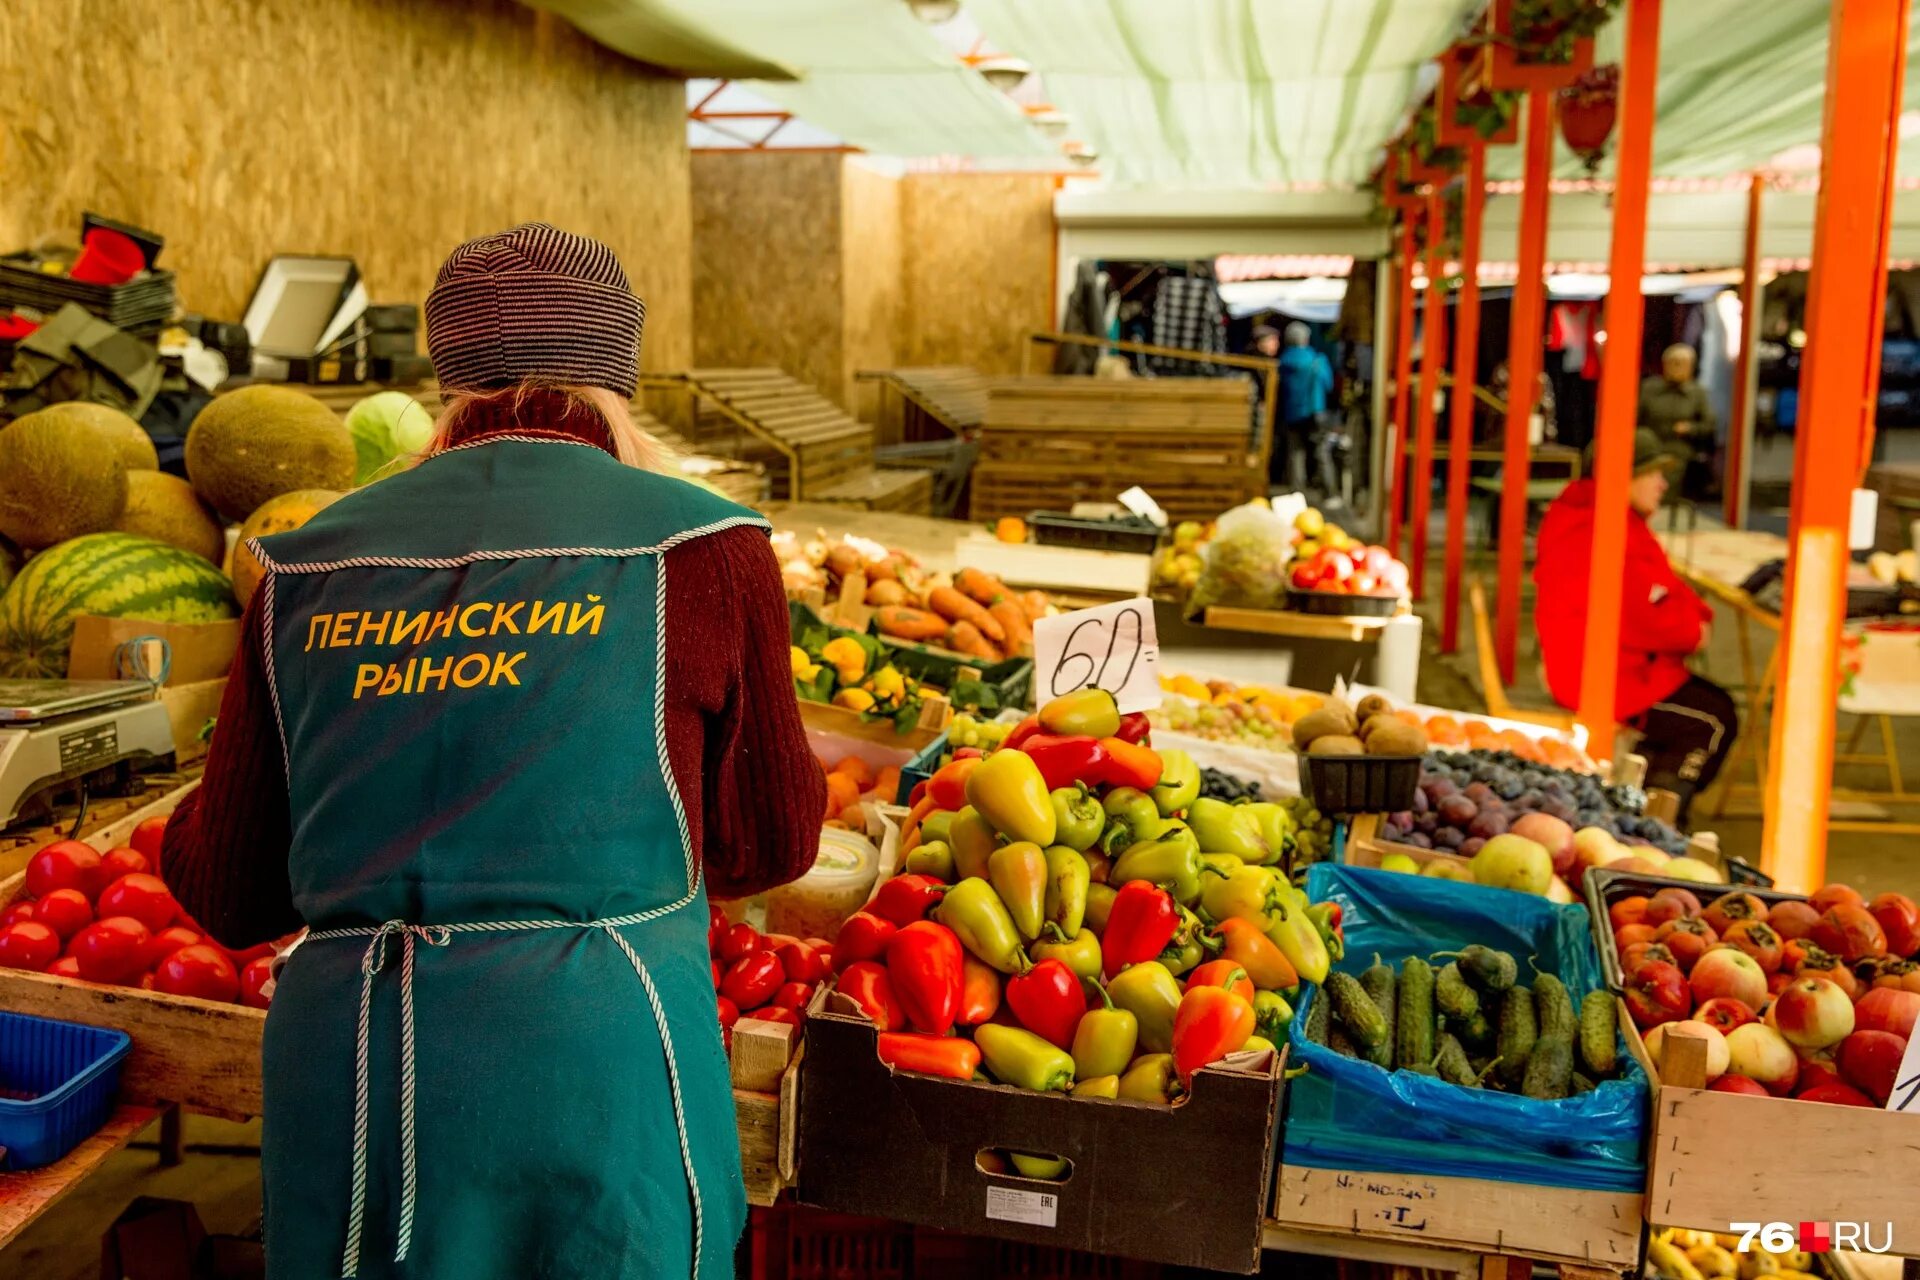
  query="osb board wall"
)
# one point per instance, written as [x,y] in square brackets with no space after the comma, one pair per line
[978,254]
[386,131]
[767,263]
[870,239]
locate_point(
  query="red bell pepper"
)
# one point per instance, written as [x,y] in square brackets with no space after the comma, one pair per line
[925,962]
[1017,736]
[954,1057]
[1140,923]
[1128,764]
[872,990]
[905,899]
[969,753]
[863,937]
[1065,761]
[948,788]
[1049,1001]
[1222,973]
[979,992]
[1211,1023]
[1133,727]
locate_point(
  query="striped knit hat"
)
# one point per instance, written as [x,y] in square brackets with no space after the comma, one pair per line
[534,302]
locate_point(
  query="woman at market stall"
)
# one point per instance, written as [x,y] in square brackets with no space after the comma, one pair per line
[1687,723]
[491,720]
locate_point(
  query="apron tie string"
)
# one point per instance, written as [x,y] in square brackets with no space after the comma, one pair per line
[372,961]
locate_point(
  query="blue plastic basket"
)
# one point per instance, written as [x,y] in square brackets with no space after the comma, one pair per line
[73,1071]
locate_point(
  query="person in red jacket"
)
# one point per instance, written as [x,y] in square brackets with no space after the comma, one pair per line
[1687,723]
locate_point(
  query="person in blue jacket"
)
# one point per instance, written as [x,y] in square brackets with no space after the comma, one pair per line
[1306,379]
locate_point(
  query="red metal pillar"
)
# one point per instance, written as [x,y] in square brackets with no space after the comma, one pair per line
[1432,356]
[1466,361]
[1734,482]
[1845,311]
[1526,321]
[1620,374]
[1402,379]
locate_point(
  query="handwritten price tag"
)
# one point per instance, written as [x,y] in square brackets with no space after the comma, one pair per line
[1112,647]
[1906,1084]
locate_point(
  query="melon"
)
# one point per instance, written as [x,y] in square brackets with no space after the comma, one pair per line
[385,426]
[288,511]
[9,562]
[165,507]
[117,575]
[262,441]
[60,476]
[130,439]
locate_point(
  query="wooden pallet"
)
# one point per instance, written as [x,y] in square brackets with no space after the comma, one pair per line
[936,402]
[888,489]
[807,443]
[1018,489]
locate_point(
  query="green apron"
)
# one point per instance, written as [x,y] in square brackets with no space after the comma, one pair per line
[496,1054]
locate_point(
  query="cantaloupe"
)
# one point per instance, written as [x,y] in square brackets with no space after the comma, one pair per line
[130,439]
[61,476]
[277,515]
[165,507]
[262,441]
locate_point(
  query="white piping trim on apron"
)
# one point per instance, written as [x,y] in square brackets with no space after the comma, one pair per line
[273,682]
[525,553]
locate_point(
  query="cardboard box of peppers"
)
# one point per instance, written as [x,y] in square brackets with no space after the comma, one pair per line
[1075,916]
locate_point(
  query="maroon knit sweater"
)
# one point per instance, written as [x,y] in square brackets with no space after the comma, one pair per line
[747,776]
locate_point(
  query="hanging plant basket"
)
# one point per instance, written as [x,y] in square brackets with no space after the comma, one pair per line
[1466,112]
[1538,44]
[1588,108]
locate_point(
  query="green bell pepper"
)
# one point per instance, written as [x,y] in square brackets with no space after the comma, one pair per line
[1179,784]
[936,825]
[1103,1042]
[1068,880]
[973,842]
[1132,817]
[1018,1057]
[1099,902]
[977,916]
[1151,1078]
[932,858]
[1275,826]
[1173,862]
[1227,828]
[1080,953]
[1007,790]
[1078,817]
[1147,991]
[1250,893]
[1271,1015]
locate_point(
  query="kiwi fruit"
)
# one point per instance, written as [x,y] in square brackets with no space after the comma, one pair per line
[1390,737]
[1372,705]
[1319,724]
[1337,744]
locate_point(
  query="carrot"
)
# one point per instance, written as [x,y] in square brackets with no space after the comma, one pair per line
[954,607]
[1035,603]
[1011,616]
[909,623]
[966,638]
[981,585]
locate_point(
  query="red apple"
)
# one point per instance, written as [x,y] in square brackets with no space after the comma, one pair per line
[1813,1013]
[1335,567]
[1836,1093]
[1817,962]
[1777,982]
[1792,919]
[1849,932]
[1728,907]
[1725,971]
[1304,577]
[1899,919]
[1688,937]
[1888,1009]
[1724,1013]
[1817,1068]
[1870,1062]
[1831,895]
[1756,939]
[1717,1053]
[1731,1083]
[1760,1053]
[1657,993]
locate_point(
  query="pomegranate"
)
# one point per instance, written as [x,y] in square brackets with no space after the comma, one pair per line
[1870,1061]
[1850,933]
[1758,941]
[1656,994]
[1792,919]
[1688,937]
[1884,1009]
[1728,907]
[1899,919]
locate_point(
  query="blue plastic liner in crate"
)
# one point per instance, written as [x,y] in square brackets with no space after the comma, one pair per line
[1348,1114]
[73,1073]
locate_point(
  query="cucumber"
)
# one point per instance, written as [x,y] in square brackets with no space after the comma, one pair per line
[1415,1030]
[1356,1009]
[1598,1050]
[1451,992]
[1379,984]
[1340,1042]
[1518,1031]
[1475,1032]
[1553,1006]
[1316,1030]
[1578,1085]
[1549,1069]
[1488,969]
[1452,1063]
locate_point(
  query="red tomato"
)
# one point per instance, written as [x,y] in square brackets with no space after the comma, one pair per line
[110,950]
[64,967]
[794,995]
[775,941]
[247,955]
[824,950]
[751,980]
[123,861]
[739,940]
[18,911]
[729,1012]
[147,838]
[144,897]
[28,944]
[256,983]
[64,864]
[168,941]
[801,962]
[715,965]
[775,1013]
[65,911]
[201,970]
[716,924]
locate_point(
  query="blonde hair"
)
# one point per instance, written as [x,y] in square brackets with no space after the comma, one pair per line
[631,445]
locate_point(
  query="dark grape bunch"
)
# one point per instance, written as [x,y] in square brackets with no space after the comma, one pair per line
[1468,797]
[1225,786]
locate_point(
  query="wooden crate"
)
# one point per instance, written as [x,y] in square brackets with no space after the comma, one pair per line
[1019,489]
[1366,846]
[110,813]
[823,717]
[765,1065]
[902,490]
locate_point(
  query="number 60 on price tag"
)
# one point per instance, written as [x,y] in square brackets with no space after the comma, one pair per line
[1112,647]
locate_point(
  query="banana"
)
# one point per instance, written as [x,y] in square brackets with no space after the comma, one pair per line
[1670,1262]
[1754,1264]
[1713,1261]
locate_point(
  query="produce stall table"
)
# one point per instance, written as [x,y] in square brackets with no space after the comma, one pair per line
[1281,648]
[24,1196]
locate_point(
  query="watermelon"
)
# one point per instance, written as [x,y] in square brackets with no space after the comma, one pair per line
[118,575]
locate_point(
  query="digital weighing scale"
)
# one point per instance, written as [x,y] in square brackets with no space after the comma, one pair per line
[59,732]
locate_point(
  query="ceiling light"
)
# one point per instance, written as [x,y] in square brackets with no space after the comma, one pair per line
[1085,158]
[1052,124]
[1003,73]
[934,12]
